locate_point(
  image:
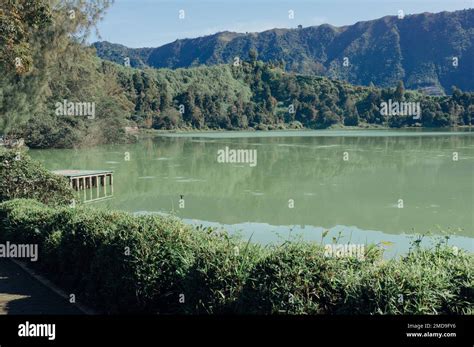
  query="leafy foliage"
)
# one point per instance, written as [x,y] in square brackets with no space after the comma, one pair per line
[262,96]
[22,177]
[57,66]
[16,19]
[298,279]
[255,94]
[120,263]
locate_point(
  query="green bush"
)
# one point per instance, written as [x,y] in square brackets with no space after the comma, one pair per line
[119,263]
[221,268]
[423,282]
[299,279]
[22,177]
[112,260]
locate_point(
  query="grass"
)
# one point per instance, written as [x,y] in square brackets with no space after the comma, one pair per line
[119,263]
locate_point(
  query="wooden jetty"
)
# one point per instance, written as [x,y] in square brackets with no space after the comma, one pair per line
[83,180]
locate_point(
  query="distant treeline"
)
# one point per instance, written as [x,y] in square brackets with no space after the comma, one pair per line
[261,96]
[45,61]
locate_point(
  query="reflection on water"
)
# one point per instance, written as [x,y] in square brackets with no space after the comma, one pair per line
[360,196]
[91,195]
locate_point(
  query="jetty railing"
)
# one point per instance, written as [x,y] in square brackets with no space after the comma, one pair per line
[91,185]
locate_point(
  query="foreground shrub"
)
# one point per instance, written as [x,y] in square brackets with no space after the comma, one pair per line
[112,260]
[221,268]
[423,282]
[299,279]
[22,177]
[119,263]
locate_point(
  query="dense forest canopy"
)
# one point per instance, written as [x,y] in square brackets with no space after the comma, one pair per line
[45,62]
[261,96]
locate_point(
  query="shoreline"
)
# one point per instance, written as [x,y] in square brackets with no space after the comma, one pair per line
[327,132]
[203,263]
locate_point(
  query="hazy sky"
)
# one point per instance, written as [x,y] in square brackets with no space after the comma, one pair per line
[152,23]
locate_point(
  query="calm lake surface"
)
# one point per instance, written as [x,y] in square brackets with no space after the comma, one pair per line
[357,198]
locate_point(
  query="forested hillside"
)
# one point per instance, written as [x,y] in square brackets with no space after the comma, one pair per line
[426,51]
[45,61]
[261,96]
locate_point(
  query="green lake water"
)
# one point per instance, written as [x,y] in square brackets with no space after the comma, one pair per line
[357,198]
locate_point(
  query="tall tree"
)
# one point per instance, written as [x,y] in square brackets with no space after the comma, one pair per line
[399,91]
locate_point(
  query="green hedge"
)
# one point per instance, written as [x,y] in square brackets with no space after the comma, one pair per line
[120,263]
[23,177]
[299,279]
[85,251]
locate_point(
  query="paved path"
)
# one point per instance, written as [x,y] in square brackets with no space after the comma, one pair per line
[20,293]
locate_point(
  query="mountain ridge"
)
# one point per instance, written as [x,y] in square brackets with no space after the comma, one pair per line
[418,49]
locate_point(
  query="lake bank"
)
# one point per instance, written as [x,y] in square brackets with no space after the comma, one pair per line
[117,263]
[358,197]
[339,127]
